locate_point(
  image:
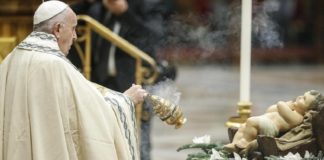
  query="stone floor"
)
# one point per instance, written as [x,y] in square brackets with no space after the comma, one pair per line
[210,94]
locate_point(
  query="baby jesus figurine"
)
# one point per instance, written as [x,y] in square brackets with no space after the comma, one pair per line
[278,118]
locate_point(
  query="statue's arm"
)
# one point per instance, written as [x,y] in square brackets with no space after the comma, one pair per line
[272,108]
[290,116]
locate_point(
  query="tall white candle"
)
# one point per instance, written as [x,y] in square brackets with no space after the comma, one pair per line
[245,64]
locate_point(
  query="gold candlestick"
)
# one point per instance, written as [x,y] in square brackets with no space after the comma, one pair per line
[244,112]
[167,111]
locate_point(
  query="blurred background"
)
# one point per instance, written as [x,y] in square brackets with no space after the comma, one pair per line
[200,39]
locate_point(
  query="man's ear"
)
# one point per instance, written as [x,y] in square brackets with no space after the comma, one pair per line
[56,29]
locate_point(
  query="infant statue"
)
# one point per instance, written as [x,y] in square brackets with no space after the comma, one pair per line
[278,118]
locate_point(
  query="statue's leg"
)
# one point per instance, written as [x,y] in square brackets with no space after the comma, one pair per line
[238,135]
[249,133]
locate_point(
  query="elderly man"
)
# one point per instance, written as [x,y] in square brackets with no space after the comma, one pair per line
[48,110]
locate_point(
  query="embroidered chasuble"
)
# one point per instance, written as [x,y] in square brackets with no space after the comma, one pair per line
[49,111]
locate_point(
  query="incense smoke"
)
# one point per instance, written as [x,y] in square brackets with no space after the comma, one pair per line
[222,24]
[165,89]
[265,30]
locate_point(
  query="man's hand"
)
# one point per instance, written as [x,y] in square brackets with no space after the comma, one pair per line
[136,93]
[116,7]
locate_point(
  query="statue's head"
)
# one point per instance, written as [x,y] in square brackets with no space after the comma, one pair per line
[318,102]
[309,101]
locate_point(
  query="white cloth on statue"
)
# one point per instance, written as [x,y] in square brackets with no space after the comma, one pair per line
[47,10]
[267,127]
[48,110]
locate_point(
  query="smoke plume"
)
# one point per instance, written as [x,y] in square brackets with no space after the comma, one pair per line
[165,89]
[216,30]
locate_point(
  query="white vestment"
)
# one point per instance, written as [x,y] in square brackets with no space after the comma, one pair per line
[49,111]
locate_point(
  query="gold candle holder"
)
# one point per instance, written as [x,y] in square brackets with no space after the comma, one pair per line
[167,111]
[244,113]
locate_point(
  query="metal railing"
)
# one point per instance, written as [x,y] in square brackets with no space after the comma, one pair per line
[142,74]
[6,45]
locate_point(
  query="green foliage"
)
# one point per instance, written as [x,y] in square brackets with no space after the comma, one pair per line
[205,147]
[205,153]
[311,156]
[198,156]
